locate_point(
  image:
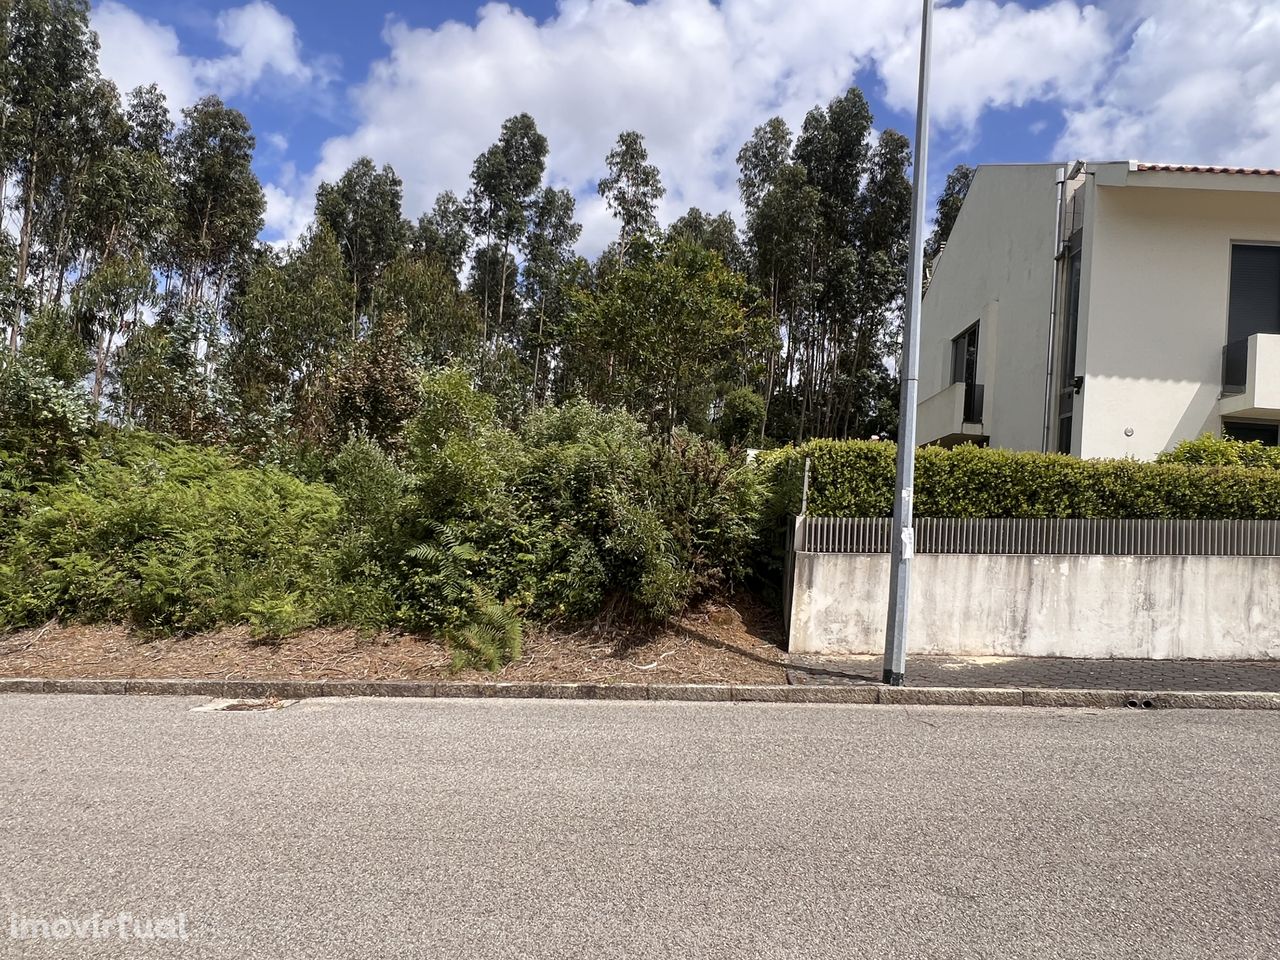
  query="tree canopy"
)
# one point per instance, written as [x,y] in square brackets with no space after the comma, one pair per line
[133,257]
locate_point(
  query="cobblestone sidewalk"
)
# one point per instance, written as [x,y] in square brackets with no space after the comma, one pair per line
[1046,672]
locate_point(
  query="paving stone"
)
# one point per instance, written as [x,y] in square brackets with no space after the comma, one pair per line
[349,688]
[272,689]
[463,688]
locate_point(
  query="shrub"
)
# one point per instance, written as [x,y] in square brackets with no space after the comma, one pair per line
[43,422]
[578,508]
[856,479]
[169,536]
[742,417]
[1211,451]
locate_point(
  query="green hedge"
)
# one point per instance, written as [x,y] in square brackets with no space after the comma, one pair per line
[856,479]
[1211,451]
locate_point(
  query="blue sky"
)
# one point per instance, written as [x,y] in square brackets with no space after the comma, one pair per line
[425,85]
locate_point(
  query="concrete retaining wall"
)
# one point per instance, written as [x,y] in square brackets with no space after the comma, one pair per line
[1199,607]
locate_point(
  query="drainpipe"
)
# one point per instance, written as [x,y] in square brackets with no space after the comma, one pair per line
[1061,180]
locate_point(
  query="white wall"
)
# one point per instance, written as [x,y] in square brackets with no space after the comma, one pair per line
[998,269]
[1155,319]
[1212,608]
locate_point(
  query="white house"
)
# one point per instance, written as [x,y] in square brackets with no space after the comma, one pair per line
[1105,310]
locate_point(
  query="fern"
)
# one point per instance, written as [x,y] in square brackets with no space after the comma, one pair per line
[481,631]
[490,639]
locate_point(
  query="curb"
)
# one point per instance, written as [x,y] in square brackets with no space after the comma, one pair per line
[693,692]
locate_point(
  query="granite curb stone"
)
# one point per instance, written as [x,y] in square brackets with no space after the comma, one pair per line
[693,692]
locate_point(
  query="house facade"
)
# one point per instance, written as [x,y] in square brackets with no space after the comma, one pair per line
[1105,310]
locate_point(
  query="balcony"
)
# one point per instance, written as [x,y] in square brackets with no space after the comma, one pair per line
[1251,378]
[952,416]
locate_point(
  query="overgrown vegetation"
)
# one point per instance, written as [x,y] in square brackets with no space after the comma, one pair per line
[474,527]
[170,536]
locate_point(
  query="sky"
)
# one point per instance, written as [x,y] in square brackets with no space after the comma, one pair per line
[425,84]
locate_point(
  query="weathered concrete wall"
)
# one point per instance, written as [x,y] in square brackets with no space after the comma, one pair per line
[1212,608]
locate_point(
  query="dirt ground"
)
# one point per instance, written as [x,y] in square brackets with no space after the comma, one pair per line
[736,640]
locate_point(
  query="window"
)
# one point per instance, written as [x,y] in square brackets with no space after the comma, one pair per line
[964,357]
[1255,291]
[1265,433]
[1067,347]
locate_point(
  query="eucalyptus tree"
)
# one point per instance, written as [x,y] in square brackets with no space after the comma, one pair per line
[504,182]
[50,62]
[826,233]
[288,331]
[551,268]
[441,321]
[631,189]
[761,158]
[718,234]
[657,334]
[949,203]
[363,211]
[219,201]
[444,234]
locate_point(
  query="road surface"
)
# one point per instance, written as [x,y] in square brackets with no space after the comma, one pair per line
[351,829]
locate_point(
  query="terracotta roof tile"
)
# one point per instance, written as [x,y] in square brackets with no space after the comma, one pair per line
[1191,168]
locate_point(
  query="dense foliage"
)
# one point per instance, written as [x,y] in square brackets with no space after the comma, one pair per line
[856,479]
[170,536]
[472,528]
[1211,451]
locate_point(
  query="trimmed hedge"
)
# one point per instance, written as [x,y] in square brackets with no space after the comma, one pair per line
[855,478]
[1211,451]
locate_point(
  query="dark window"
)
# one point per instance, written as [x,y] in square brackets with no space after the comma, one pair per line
[1070,334]
[1265,433]
[1255,292]
[964,357]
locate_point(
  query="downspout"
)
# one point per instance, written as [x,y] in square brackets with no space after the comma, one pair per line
[1061,180]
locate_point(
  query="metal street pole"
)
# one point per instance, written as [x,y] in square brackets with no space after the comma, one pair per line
[902,544]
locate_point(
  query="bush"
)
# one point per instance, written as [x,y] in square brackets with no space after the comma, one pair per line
[856,479]
[742,417]
[579,508]
[169,536]
[1211,451]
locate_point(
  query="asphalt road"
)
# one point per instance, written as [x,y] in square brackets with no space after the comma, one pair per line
[379,829]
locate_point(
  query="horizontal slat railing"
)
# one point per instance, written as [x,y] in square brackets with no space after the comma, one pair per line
[1221,538]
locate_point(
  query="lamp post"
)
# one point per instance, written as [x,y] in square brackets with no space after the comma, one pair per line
[902,542]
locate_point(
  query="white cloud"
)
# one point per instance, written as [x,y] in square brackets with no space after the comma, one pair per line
[694,77]
[136,51]
[988,55]
[1198,81]
[262,44]
[1176,80]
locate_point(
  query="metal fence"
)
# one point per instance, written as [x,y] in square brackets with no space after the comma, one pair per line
[1155,538]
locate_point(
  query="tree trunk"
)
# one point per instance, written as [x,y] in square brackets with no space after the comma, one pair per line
[24,247]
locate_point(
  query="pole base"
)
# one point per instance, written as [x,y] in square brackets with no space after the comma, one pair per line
[892,679]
